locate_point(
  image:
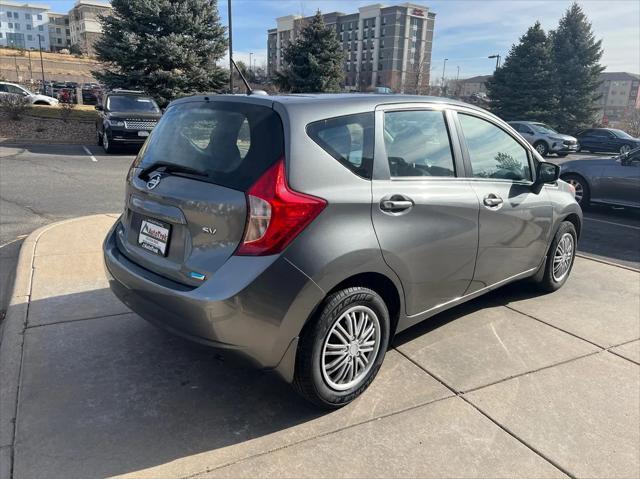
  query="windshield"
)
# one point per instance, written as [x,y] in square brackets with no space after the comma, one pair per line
[542,128]
[232,143]
[621,134]
[131,103]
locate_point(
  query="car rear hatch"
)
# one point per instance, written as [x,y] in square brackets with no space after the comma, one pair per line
[186,208]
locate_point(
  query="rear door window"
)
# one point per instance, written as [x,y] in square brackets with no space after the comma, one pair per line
[417,144]
[349,139]
[232,143]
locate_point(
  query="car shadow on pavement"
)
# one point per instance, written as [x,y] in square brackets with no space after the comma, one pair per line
[115,395]
[119,395]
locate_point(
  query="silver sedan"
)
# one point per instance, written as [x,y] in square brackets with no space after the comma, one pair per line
[614,180]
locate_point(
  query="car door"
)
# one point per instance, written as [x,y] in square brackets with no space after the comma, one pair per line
[514,221]
[619,182]
[586,140]
[424,212]
[605,141]
[527,133]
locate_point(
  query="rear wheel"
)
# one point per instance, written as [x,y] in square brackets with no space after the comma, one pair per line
[542,148]
[557,267]
[581,187]
[340,352]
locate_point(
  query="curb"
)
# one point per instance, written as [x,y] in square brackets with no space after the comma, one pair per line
[12,342]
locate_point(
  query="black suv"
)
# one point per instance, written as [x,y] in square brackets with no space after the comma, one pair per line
[126,118]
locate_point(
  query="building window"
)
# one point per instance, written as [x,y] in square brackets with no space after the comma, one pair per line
[350,25]
[30,38]
[10,25]
[59,40]
[383,31]
[29,26]
[15,14]
[67,31]
[52,20]
[384,20]
[9,14]
[40,27]
[58,31]
[366,22]
[27,16]
[17,25]
[382,43]
[39,17]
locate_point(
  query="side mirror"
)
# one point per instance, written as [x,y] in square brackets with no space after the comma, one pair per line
[545,173]
[99,107]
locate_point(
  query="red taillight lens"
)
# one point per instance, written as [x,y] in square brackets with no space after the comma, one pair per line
[276,214]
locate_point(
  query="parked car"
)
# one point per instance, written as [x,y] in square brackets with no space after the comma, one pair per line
[545,139]
[34,98]
[91,93]
[614,181]
[126,118]
[597,140]
[303,232]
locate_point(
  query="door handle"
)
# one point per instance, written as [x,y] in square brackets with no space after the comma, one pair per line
[396,204]
[492,200]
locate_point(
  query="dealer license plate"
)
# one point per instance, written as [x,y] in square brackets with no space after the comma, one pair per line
[154,236]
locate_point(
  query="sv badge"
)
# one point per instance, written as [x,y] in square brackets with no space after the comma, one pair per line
[209,230]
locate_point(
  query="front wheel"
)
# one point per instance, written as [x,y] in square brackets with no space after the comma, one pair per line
[557,267]
[562,155]
[341,350]
[106,143]
[581,188]
[624,149]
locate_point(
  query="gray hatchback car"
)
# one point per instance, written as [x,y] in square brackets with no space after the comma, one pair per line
[304,231]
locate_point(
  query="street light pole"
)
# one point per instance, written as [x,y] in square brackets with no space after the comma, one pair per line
[230,47]
[444,66]
[41,62]
[250,55]
[497,57]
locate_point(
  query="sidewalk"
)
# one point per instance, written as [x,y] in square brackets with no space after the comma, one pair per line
[509,385]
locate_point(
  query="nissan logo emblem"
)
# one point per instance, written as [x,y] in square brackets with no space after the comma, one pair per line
[154,181]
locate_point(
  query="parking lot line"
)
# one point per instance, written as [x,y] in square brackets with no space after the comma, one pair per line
[612,223]
[93,158]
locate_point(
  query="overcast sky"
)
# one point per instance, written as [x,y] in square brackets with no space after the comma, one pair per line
[466,31]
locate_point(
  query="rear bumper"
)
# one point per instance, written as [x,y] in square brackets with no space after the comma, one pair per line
[253,307]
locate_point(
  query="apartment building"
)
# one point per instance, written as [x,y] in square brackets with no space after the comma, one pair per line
[383,46]
[620,96]
[85,27]
[59,31]
[22,23]
[469,86]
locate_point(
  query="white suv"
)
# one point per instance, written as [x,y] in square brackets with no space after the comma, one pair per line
[34,98]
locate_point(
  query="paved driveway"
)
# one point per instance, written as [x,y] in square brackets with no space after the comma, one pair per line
[512,384]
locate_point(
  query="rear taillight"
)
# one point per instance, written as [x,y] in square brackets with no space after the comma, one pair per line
[276,213]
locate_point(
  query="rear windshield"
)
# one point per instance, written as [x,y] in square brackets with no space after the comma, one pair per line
[233,143]
[131,103]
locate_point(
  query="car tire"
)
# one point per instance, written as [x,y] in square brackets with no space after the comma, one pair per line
[559,261]
[106,143]
[562,155]
[541,147]
[625,149]
[329,347]
[581,186]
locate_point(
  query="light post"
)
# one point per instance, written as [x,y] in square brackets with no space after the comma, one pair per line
[497,57]
[41,62]
[444,67]
[250,55]
[230,48]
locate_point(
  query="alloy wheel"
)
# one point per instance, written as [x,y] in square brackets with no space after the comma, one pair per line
[350,348]
[579,189]
[540,148]
[563,257]
[625,149]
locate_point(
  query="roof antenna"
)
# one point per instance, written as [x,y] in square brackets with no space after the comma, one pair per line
[244,80]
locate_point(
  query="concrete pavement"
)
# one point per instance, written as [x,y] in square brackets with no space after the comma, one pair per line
[509,385]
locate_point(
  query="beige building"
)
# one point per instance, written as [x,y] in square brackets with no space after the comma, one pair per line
[619,95]
[472,85]
[59,31]
[383,46]
[84,23]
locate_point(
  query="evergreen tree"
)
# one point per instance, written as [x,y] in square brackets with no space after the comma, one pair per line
[522,89]
[167,48]
[313,63]
[577,56]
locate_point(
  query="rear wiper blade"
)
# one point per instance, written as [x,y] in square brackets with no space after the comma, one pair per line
[167,167]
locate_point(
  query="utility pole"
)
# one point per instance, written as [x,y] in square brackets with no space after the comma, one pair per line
[230,47]
[250,55]
[41,62]
[30,67]
[444,66]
